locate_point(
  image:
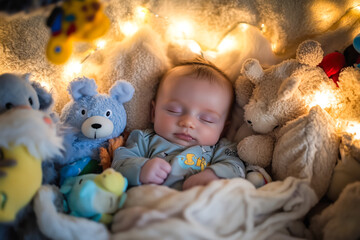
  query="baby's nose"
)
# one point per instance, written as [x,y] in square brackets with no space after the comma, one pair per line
[187,121]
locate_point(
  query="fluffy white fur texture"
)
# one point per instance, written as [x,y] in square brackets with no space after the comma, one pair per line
[63,226]
[27,127]
[341,219]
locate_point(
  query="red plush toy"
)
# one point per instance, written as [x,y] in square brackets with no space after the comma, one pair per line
[332,65]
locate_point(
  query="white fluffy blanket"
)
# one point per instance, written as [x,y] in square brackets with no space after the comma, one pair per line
[225,209]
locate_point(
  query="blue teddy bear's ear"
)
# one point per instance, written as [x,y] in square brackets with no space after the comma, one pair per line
[82,87]
[122,91]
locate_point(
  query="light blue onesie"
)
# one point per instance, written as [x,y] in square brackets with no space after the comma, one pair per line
[185,161]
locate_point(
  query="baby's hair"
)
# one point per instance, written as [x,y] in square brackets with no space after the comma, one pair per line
[201,69]
[204,68]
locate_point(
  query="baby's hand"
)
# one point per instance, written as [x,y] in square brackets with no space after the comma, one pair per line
[201,178]
[155,171]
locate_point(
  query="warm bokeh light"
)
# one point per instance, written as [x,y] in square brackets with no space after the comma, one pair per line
[354,129]
[263,29]
[101,44]
[141,13]
[324,99]
[190,44]
[324,11]
[227,44]
[129,28]
[243,26]
[273,46]
[350,127]
[181,29]
[72,68]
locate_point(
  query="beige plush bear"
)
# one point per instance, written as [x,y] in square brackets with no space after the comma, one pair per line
[280,95]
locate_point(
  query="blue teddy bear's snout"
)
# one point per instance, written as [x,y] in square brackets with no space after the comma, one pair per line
[97,127]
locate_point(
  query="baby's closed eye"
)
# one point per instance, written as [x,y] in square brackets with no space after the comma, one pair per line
[173,108]
[208,118]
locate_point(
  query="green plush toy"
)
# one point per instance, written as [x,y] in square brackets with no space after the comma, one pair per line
[95,196]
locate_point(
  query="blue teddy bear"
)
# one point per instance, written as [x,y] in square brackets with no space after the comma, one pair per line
[93,119]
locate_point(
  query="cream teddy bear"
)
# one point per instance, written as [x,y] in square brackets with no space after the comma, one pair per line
[278,96]
[273,101]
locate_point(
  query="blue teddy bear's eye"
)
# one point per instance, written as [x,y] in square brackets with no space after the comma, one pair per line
[9,105]
[83,112]
[108,113]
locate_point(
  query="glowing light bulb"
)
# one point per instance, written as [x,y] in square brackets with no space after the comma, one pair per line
[227,44]
[244,26]
[324,99]
[141,13]
[101,44]
[354,129]
[181,29]
[129,28]
[263,29]
[72,68]
[273,46]
[190,44]
[194,46]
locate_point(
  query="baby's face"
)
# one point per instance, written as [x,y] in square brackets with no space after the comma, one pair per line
[191,111]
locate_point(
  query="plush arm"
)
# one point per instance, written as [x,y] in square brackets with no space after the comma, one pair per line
[256,150]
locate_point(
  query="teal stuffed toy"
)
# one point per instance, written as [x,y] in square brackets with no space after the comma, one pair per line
[95,196]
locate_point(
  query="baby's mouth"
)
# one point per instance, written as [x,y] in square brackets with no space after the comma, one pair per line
[184,137]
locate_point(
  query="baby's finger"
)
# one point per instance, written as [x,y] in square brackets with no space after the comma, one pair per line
[161,174]
[166,167]
[157,180]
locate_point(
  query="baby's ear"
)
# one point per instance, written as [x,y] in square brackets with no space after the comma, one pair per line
[82,87]
[122,91]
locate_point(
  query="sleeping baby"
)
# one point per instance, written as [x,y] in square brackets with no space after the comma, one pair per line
[184,149]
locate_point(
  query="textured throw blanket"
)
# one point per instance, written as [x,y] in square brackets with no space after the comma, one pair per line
[225,209]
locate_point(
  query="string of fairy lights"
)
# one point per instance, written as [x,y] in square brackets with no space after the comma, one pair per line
[181,32]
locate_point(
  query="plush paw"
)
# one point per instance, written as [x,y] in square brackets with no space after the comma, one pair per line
[256,179]
[256,150]
[257,176]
